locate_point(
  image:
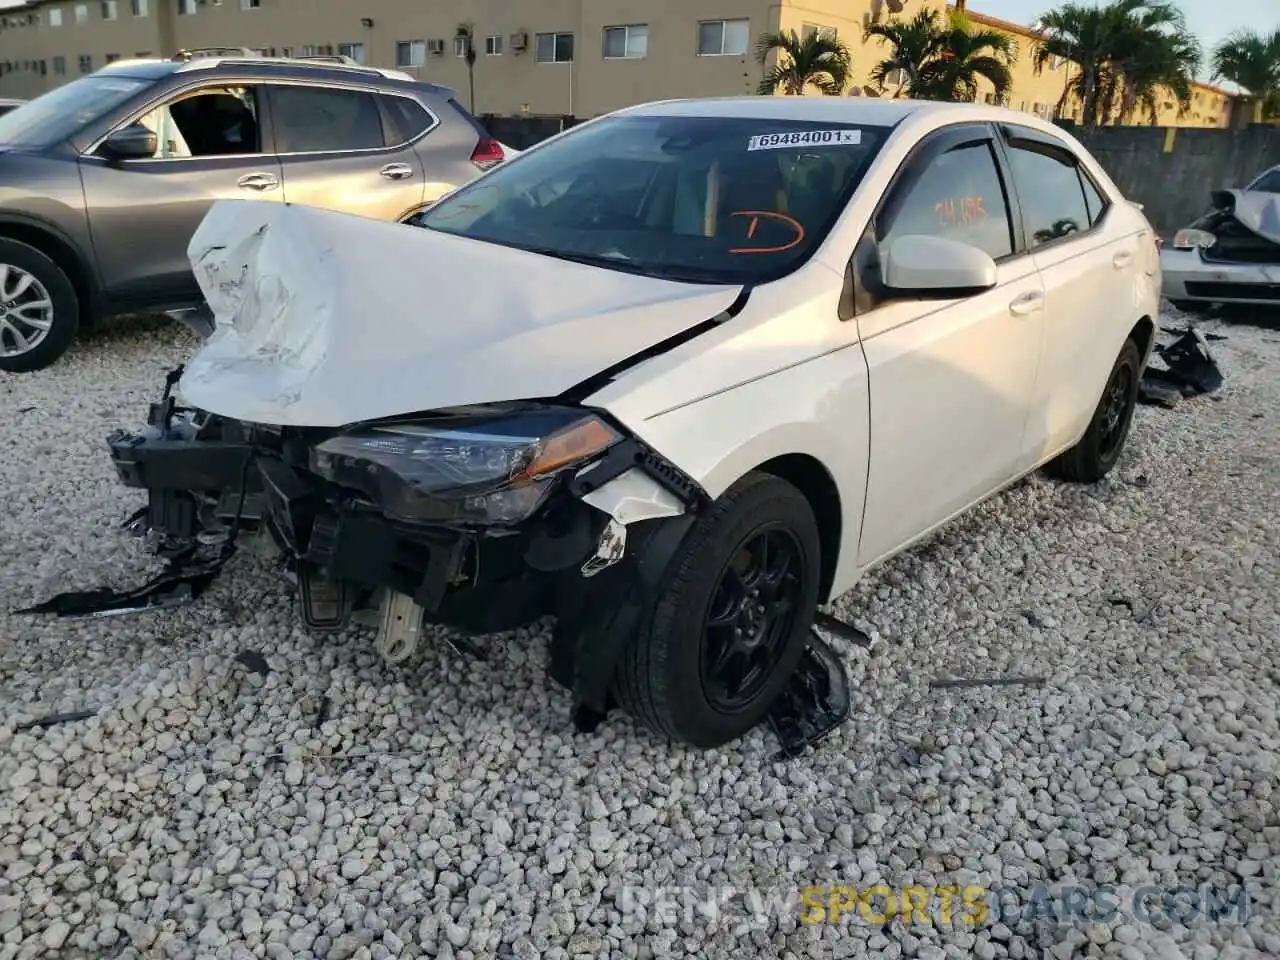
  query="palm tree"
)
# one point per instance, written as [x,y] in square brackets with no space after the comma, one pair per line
[943,59]
[965,56]
[819,60]
[466,33]
[913,42]
[1127,52]
[1252,61]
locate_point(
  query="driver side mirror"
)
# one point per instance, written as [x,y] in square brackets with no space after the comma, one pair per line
[134,142]
[936,267]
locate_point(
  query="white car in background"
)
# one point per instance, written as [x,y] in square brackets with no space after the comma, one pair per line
[676,376]
[1230,255]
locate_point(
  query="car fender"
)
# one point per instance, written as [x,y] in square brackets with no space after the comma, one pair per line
[818,409]
[20,225]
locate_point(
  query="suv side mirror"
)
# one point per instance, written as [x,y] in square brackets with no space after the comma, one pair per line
[134,142]
[935,266]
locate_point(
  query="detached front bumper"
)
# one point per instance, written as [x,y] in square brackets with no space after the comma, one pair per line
[1189,276]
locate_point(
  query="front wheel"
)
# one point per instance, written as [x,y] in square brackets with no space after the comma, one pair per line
[731,620]
[1098,450]
[39,311]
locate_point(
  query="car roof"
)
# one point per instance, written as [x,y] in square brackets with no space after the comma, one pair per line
[870,110]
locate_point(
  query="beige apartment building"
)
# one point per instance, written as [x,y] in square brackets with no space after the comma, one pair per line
[540,57]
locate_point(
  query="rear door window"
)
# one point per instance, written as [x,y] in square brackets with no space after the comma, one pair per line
[406,119]
[324,120]
[1052,192]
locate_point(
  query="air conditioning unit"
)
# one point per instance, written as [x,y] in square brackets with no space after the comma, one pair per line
[518,41]
[435,47]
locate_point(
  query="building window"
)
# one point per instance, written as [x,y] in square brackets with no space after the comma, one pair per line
[60,66]
[353,50]
[138,7]
[554,48]
[143,54]
[626,43]
[112,57]
[286,52]
[109,11]
[186,7]
[82,13]
[309,50]
[250,4]
[460,46]
[411,53]
[86,63]
[493,45]
[55,17]
[723,38]
[808,30]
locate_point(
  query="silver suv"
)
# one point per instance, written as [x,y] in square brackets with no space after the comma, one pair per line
[106,178]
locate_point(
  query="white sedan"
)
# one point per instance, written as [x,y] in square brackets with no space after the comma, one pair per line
[676,377]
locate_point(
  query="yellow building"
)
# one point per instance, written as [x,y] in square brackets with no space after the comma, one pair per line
[551,57]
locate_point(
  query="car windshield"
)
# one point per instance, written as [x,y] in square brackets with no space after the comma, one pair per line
[701,199]
[65,110]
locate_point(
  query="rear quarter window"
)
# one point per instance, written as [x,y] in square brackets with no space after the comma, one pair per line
[406,119]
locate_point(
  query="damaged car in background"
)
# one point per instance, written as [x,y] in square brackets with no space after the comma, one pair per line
[676,377]
[1231,255]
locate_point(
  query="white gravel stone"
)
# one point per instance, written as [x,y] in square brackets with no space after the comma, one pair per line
[446,808]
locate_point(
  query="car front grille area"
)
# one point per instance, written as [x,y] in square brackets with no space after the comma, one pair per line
[1234,291]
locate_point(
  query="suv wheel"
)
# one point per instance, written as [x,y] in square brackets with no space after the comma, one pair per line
[737,601]
[39,311]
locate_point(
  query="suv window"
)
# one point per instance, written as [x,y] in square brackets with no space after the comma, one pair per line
[1051,191]
[212,122]
[406,119]
[960,197]
[317,120]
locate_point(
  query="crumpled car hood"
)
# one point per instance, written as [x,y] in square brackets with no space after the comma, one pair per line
[1258,211]
[324,319]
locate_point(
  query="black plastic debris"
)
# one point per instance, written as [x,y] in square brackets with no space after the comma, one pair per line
[986,682]
[181,582]
[1189,370]
[53,719]
[814,702]
[254,661]
[845,631]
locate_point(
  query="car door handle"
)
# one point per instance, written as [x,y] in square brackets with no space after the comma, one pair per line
[258,181]
[1030,302]
[1122,259]
[397,171]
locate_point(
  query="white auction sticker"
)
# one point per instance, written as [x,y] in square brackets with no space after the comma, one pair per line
[805,138]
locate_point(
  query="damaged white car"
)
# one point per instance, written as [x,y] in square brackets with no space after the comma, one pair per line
[1231,255]
[676,377]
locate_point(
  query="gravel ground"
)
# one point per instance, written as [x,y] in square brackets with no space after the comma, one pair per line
[445,808]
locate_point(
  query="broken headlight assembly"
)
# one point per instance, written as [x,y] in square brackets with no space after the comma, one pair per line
[1192,238]
[476,465]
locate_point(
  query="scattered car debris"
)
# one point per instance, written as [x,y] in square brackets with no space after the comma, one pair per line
[181,582]
[322,713]
[845,631]
[986,682]
[815,700]
[1189,369]
[53,719]
[254,661]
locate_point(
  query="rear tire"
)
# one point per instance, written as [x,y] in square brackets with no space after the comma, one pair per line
[49,330]
[1098,450]
[739,594]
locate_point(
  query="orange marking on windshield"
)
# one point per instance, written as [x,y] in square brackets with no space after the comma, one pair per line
[756,216]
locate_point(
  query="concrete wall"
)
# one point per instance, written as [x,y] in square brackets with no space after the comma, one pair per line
[1171,170]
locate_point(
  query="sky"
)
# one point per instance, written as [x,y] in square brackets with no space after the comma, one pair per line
[1210,20]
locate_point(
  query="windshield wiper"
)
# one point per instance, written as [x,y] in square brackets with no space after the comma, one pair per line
[662,271]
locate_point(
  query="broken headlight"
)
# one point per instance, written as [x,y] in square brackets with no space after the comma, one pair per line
[1190,238]
[477,465]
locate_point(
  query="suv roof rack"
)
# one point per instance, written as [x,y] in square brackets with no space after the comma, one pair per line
[191,53]
[207,58]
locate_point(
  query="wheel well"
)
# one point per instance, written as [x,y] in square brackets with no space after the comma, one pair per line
[64,256]
[1142,334]
[810,477]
